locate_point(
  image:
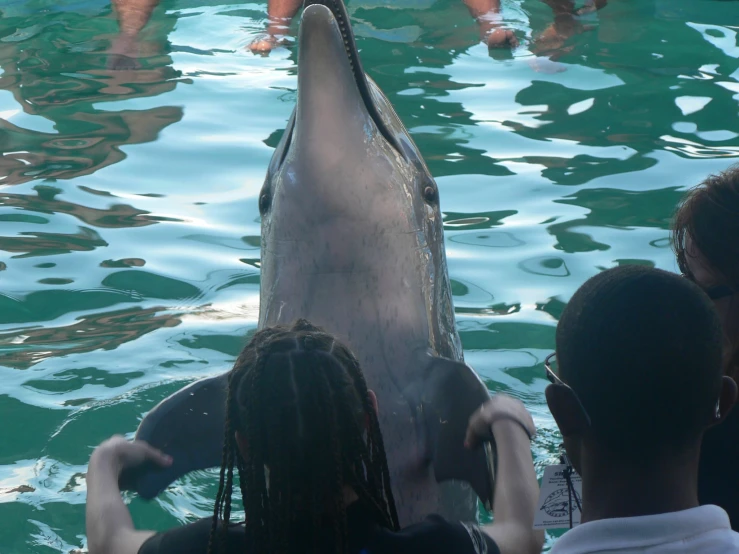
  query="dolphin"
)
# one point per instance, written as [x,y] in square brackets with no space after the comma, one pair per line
[352,240]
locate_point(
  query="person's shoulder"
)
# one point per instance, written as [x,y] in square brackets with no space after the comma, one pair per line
[436,534]
[718,535]
[731,538]
[717,541]
[192,538]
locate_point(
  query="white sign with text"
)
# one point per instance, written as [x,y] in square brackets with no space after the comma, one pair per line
[556,498]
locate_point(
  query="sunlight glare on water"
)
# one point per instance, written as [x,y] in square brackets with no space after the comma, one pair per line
[129,225]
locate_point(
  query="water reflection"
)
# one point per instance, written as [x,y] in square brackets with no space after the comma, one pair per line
[50,244]
[65,67]
[115,216]
[614,208]
[107,331]
[676,70]
[62,62]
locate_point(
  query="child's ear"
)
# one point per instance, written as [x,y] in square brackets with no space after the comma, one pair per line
[373,400]
[241,444]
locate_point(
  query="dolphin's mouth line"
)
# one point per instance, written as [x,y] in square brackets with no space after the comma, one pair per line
[338,10]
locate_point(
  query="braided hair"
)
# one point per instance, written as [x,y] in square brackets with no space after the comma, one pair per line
[299,400]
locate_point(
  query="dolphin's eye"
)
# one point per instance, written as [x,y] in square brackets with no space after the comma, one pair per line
[429,193]
[264,201]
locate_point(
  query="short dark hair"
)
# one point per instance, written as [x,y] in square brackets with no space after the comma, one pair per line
[642,349]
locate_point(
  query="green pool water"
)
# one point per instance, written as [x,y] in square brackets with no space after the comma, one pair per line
[129,227]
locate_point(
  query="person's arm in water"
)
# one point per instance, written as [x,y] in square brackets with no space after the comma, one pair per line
[280,13]
[487,14]
[110,529]
[516,488]
[133,15]
[566,24]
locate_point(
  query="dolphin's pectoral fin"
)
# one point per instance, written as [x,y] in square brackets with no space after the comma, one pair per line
[451,393]
[188,426]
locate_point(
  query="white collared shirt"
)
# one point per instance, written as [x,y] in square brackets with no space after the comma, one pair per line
[702,530]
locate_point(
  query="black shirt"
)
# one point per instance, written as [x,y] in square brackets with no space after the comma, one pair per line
[433,535]
[718,476]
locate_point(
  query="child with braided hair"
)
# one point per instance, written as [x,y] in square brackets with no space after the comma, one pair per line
[303,435]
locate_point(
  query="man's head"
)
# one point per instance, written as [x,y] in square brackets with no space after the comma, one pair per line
[640,350]
[705,236]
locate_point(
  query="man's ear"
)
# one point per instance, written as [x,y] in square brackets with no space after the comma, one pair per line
[373,400]
[726,399]
[566,410]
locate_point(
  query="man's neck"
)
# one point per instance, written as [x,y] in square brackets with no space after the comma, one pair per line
[612,489]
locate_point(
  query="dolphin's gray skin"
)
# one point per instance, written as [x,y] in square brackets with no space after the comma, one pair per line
[352,240]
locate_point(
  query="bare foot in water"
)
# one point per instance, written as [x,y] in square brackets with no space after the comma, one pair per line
[500,38]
